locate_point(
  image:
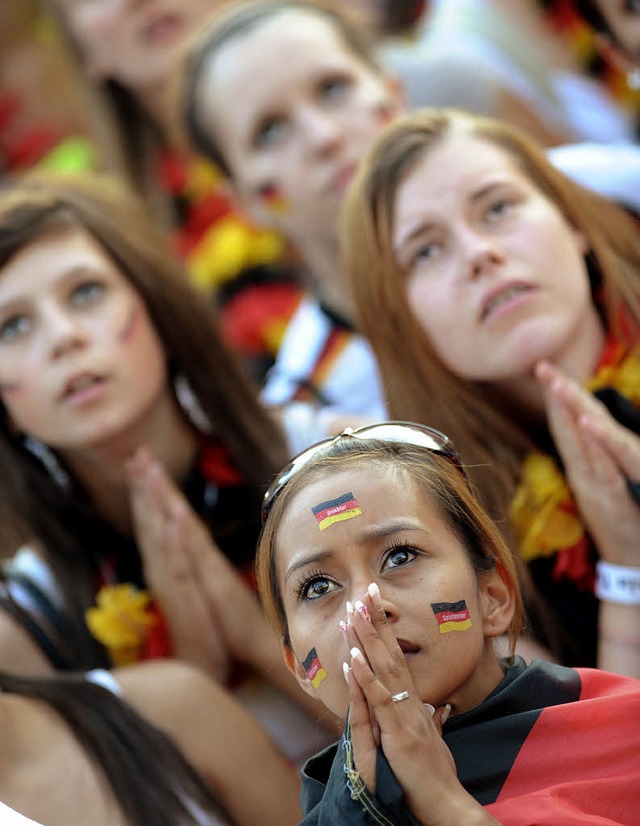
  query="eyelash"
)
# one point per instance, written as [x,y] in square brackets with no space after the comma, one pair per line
[307,580]
[304,583]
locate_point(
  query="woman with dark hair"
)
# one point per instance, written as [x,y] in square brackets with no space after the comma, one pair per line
[125,55]
[388,585]
[156,743]
[116,388]
[618,26]
[498,296]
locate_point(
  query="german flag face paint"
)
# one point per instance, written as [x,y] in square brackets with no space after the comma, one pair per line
[336,510]
[313,667]
[273,198]
[452,616]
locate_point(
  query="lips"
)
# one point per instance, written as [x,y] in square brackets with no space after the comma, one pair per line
[80,384]
[500,296]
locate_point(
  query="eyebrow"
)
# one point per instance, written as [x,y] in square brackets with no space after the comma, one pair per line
[425,226]
[374,532]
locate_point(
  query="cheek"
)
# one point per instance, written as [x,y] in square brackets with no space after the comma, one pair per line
[433,310]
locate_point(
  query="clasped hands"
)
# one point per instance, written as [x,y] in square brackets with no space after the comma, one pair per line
[600,456]
[213,616]
[408,730]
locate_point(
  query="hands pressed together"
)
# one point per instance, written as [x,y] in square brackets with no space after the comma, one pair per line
[600,456]
[213,616]
[408,730]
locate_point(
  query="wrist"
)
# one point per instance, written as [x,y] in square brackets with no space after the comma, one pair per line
[617,583]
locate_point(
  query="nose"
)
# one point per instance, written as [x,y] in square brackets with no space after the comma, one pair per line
[65,332]
[321,130]
[482,252]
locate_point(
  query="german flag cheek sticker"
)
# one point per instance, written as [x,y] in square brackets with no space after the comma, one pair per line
[336,510]
[452,616]
[313,667]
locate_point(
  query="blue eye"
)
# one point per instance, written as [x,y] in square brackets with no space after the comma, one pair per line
[13,327]
[269,132]
[87,292]
[426,252]
[499,208]
[334,88]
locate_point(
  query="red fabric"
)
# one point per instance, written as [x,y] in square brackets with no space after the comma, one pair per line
[579,757]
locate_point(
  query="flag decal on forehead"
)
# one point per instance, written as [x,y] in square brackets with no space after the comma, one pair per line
[336,510]
[452,616]
[314,669]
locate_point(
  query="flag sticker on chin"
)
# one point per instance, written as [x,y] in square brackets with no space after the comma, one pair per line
[336,510]
[314,669]
[452,616]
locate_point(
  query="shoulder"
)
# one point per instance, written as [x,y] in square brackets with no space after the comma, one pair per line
[18,651]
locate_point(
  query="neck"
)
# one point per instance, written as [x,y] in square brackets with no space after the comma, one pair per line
[100,468]
[578,359]
[329,282]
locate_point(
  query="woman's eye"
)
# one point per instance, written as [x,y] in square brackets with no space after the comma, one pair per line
[316,587]
[425,253]
[397,557]
[334,88]
[499,208]
[269,132]
[87,292]
[13,327]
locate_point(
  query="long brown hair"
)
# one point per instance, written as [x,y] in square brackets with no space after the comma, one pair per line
[149,777]
[186,325]
[434,476]
[127,139]
[420,387]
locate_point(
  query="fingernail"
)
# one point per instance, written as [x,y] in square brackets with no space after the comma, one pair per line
[429,708]
[349,613]
[446,711]
[345,671]
[343,629]
[361,608]
[374,593]
[357,654]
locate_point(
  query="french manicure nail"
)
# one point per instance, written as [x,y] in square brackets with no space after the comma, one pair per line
[349,613]
[446,711]
[345,671]
[357,654]
[343,628]
[361,608]
[374,593]
[429,708]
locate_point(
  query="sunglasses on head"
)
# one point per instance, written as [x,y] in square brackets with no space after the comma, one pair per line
[404,432]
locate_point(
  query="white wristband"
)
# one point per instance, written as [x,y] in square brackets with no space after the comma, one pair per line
[618,583]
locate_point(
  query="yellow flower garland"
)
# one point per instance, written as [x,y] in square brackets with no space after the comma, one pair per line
[544,516]
[120,621]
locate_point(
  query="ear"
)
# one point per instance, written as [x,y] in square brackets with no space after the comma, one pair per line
[498,603]
[295,667]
